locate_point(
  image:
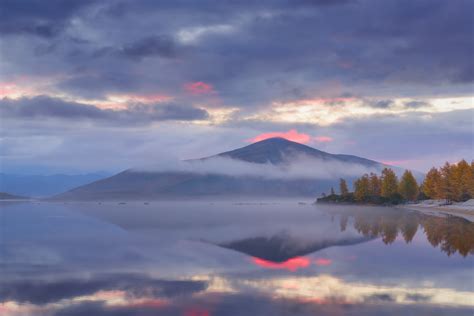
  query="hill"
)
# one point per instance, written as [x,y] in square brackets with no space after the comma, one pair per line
[272,161]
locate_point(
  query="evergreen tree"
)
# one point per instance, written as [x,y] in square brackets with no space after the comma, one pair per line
[361,188]
[408,188]
[389,183]
[343,187]
[432,184]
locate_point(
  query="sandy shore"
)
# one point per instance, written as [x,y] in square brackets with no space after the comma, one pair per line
[465,210]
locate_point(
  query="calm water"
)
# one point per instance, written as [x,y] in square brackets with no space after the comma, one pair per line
[225,258]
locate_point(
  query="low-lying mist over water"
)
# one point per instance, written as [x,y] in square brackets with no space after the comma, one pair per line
[232,257]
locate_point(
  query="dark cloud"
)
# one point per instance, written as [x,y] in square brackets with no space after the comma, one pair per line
[383,297]
[383,104]
[44,106]
[43,292]
[416,104]
[48,107]
[388,103]
[253,54]
[162,46]
[41,18]
[303,46]
[418,297]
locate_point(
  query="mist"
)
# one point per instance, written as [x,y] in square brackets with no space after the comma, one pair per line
[300,167]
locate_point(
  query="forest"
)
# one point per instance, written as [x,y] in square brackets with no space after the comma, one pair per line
[451,182]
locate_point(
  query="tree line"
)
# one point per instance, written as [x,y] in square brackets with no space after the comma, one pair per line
[452,182]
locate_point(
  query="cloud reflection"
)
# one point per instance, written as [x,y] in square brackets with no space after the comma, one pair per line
[292,264]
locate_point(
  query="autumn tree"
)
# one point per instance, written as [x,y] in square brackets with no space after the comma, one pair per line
[361,188]
[374,185]
[343,187]
[463,178]
[389,185]
[448,190]
[408,187]
[432,184]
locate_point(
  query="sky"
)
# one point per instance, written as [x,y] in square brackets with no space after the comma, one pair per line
[89,86]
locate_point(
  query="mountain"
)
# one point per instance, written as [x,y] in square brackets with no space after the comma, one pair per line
[44,185]
[280,150]
[273,152]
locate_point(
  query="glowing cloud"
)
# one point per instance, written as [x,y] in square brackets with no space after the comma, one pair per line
[199,88]
[292,135]
[397,162]
[13,91]
[292,264]
[148,303]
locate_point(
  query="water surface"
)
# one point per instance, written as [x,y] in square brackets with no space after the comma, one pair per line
[232,258]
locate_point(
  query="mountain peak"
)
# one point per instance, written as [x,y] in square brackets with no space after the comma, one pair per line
[277,139]
[273,150]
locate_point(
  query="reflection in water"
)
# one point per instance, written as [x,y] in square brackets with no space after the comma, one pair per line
[315,261]
[452,234]
[284,247]
[292,264]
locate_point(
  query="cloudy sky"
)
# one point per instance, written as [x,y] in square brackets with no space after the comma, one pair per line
[104,85]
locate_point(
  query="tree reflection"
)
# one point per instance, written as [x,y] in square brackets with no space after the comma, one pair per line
[451,234]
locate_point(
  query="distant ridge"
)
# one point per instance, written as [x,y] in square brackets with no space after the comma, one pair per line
[44,185]
[8,196]
[134,184]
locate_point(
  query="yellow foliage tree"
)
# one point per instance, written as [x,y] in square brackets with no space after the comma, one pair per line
[448,188]
[432,184]
[408,188]
[361,188]
[374,185]
[389,183]
[463,181]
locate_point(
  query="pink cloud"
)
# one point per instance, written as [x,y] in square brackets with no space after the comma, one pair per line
[12,90]
[396,162]
[323,262]
[292,264]
[292,135]
[198,88]
[323,139]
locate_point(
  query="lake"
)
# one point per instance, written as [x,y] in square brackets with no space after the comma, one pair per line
[202,258]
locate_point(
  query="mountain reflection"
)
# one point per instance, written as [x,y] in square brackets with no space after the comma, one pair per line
[305,261]
[452,234]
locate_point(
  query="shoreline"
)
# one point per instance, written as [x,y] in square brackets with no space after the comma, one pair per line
[446,210]
[459,210]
